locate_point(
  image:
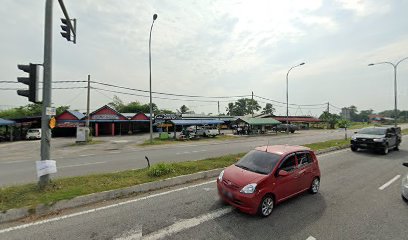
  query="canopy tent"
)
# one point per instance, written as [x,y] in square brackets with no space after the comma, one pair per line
[259,121]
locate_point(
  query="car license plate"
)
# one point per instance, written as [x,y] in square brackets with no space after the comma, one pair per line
[363,145]
[228,194]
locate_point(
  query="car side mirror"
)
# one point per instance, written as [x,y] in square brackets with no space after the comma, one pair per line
[405,164]
[283,173]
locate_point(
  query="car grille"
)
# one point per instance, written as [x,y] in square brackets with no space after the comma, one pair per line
[364,140]
[227,183]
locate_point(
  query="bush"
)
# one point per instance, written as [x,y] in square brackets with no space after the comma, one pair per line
[160,169]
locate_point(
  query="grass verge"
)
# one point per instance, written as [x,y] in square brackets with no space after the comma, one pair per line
[405,131]
[328,144]
[68,188]
[158,141]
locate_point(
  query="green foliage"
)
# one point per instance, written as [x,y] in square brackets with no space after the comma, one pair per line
[184,109]
[28,110]
[330,119]
[268,109]
[133,107]
[243,106]
[160,169]
[343,123]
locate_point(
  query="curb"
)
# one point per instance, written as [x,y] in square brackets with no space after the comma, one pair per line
[43,209]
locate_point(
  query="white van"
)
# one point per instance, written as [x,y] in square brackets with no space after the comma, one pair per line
[33,133]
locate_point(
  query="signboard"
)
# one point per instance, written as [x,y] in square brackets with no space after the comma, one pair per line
[82,133]
[51,111]
[105,117]
[167,117]
[52,123]
[46,167]
[70,124]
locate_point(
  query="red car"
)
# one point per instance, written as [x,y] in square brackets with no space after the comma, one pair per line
[269,175]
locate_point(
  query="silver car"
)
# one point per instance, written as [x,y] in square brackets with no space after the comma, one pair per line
[404,186]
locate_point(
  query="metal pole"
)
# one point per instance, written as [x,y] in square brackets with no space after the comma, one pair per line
[287,102]
[252,102]
[45,130]
[395,96]
[150,80]
[88,101]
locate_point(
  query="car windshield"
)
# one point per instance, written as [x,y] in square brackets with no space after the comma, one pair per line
[372,131]
[258,161]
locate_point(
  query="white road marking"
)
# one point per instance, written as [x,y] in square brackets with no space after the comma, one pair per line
[310,238]
[101,208]
[114,152]
[389,182]
[87,155]
[186,224]
[18,161]
[82,164]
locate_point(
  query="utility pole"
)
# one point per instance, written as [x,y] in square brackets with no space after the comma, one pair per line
[328,107]
[47,84]
[218,109]
[88,103]
[252,108]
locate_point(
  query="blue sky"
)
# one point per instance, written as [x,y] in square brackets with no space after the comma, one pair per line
[217,48]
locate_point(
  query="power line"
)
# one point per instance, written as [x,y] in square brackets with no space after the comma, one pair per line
[293,104]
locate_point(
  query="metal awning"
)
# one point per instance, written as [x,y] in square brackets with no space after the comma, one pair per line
[4,122]
[196,122]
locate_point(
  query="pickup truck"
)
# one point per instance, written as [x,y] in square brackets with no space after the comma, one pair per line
[206,131]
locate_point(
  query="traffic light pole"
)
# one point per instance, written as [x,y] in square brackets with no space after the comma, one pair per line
[45,130]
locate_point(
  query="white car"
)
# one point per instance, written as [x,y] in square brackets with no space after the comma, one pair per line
[404,185]
[33,133]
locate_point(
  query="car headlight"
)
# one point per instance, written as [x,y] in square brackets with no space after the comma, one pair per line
[353,138]
[378,139]
[250,188]
[221,175]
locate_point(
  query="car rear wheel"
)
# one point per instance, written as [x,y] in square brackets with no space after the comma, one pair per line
[266,206]
[396,148]
[314,187]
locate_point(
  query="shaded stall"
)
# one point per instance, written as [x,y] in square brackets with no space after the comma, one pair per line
[67,123]
[182,123]
[248,125]
[303,122]
[6,129]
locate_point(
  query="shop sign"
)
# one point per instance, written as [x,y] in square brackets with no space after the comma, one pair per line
[167,116]
[105,117]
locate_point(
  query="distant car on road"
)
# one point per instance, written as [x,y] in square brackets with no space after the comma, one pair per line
[269,175]
[377,138]
[33,133]
[404,185]
[283,127]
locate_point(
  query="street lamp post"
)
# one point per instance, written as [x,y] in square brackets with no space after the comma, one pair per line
[287,96]
[395,85]
[150,79]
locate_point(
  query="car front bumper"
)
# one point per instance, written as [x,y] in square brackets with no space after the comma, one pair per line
[368,145]
[247,203]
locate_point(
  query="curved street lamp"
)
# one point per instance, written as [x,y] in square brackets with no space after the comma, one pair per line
[395,84]
[287,96]
[150,79]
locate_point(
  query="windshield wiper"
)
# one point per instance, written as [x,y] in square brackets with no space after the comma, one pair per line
[243,167]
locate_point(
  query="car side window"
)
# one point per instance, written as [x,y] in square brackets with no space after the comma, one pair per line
[289,164]
[304,158]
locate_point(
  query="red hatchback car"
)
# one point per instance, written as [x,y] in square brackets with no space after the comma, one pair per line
[269,175]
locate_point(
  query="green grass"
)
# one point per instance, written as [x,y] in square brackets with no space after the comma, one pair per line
[328,144]
[358,125]
[68,188]
[405,131]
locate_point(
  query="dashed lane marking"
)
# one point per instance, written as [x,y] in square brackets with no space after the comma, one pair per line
[82,164]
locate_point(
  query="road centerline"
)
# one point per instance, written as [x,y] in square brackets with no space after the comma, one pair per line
[389,182]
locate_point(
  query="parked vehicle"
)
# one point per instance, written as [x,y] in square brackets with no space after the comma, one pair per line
[404,185]
[267,176]
[377,138]
[33,133]
[203,131]
[283,127]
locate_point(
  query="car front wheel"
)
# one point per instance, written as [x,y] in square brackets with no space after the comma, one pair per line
[385,150]
[353,148]
[314,187]
[266,206]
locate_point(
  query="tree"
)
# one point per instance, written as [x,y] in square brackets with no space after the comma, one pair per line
[330,119]
[268,109]
[116,104]
[363,115]
[243,106]
[184,109]
[28,110]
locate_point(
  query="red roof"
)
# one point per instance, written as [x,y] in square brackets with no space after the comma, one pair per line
[281,149]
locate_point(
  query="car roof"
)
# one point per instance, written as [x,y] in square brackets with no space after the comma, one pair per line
[282,149]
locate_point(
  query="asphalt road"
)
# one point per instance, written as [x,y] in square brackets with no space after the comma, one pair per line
[354,202]
[17,160]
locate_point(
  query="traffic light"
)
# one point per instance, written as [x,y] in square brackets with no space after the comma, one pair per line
[68,29]
[32,82]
